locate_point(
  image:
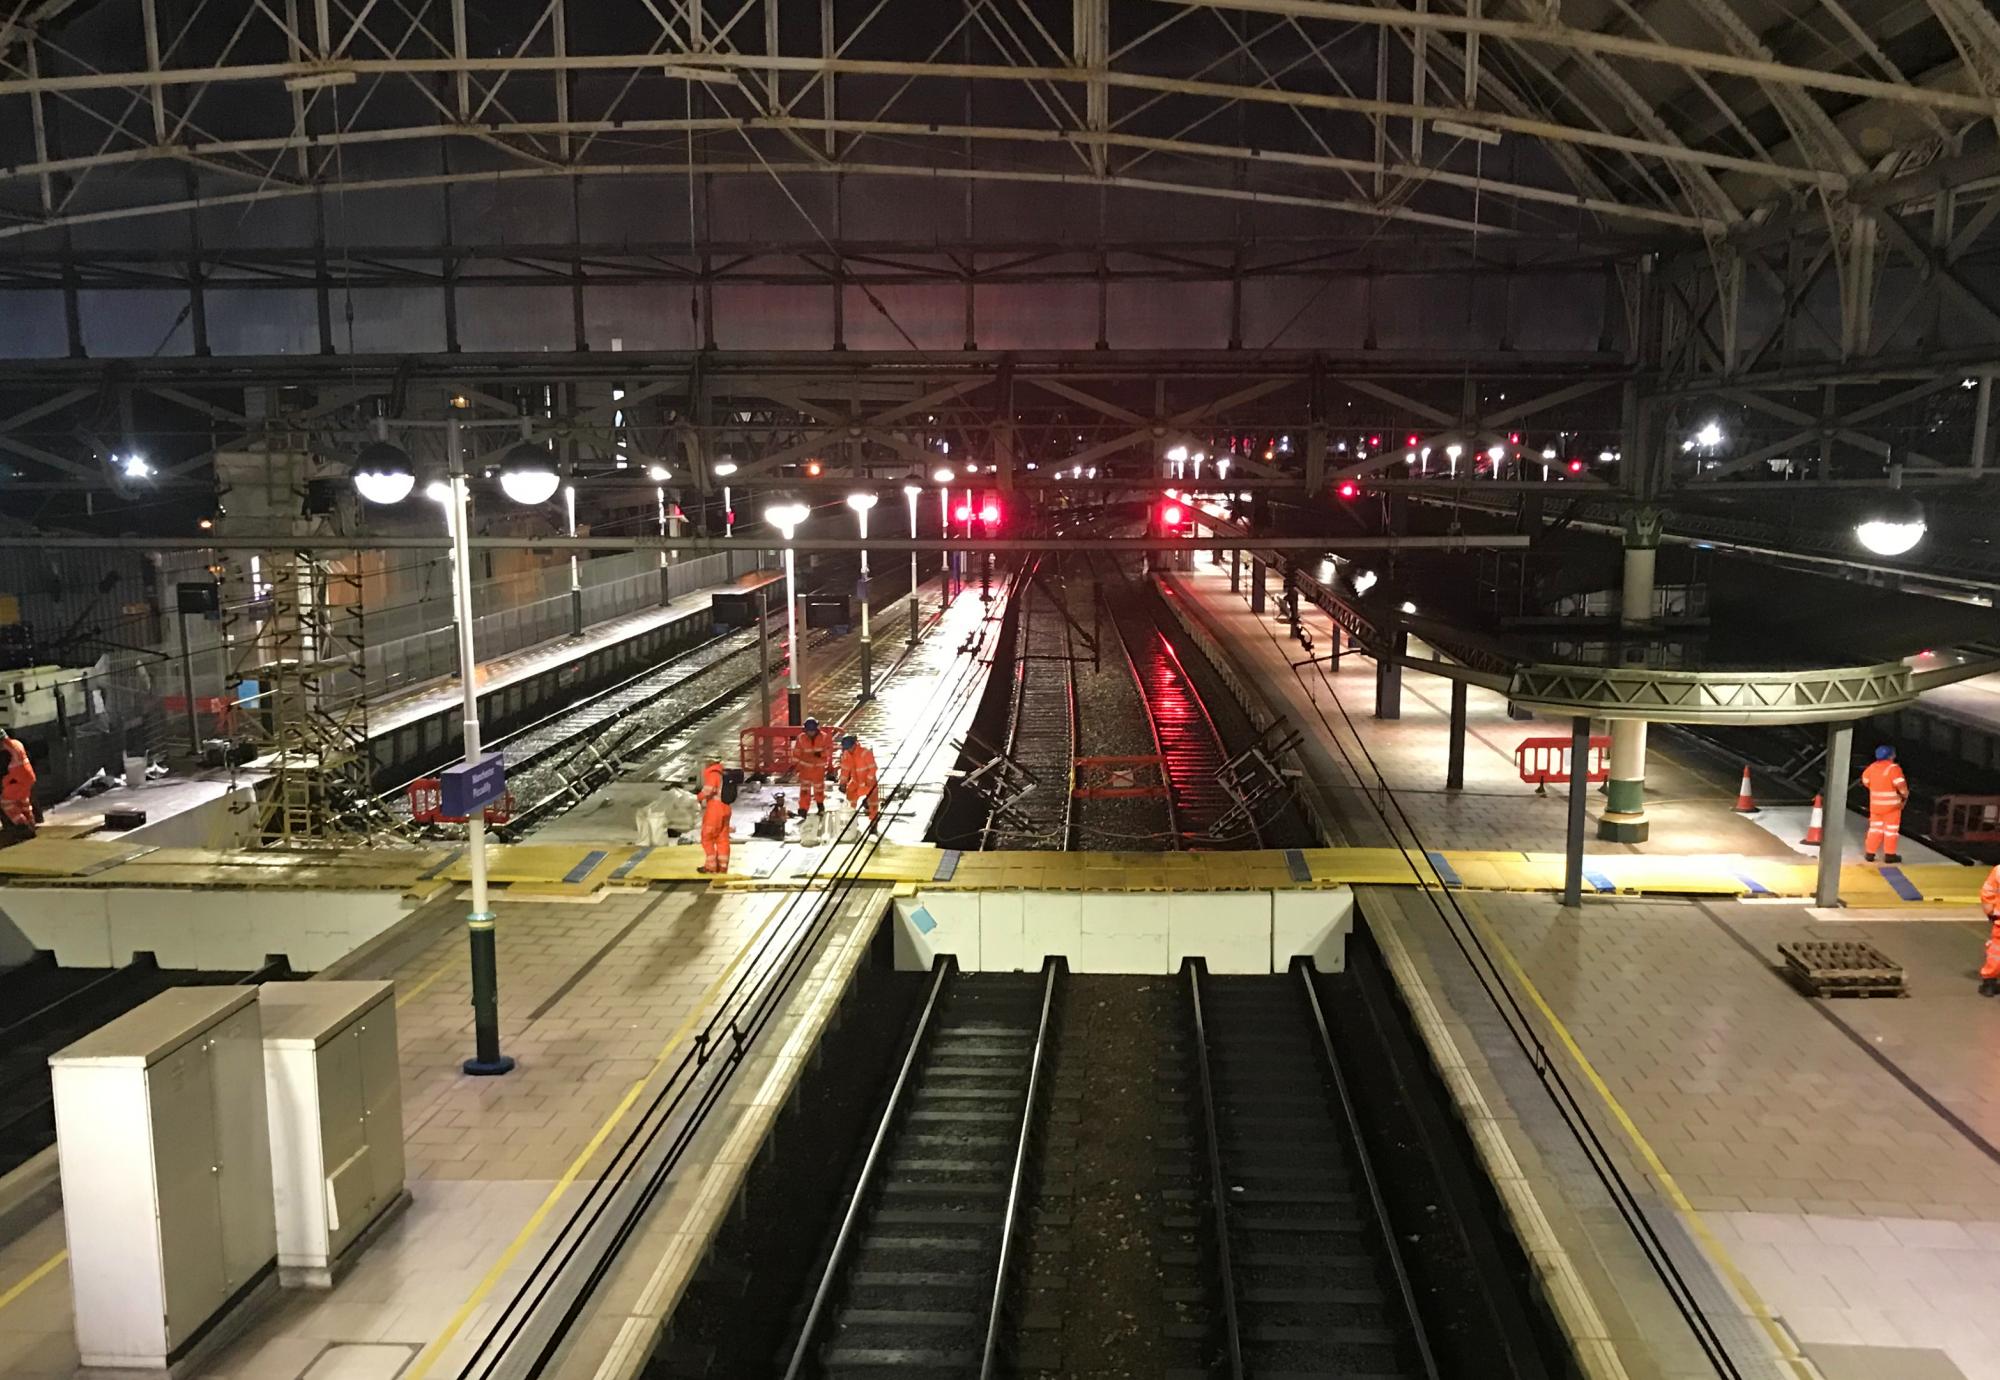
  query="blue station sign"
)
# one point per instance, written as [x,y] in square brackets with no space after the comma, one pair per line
[472,785]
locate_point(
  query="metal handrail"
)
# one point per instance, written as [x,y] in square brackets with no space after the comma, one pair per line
[1304,968]
[850,1224]
[989,1358]
[1218,1195]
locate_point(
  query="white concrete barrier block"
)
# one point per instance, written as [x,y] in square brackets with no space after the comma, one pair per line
[1313,923]
[937,922]
[1232,932]
[1000,920]
[71,922]
[1051,923]
[1123,934]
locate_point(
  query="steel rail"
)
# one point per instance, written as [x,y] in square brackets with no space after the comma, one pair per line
[738,1018]
[1152,723]
[945,969]
[570,709]
[1218,1193]
[1384,1228]
[902,546]
[989,1358]
[1165,634]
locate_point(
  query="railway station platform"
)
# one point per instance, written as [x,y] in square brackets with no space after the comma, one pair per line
[1699,1160]
[209,807]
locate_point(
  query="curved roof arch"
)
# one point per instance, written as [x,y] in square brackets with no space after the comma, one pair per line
[1641,120]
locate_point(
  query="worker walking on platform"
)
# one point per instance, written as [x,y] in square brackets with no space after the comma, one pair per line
[17,786]
[1888,792]
[1989,901]
[714,821]
[812,754]
[858,780]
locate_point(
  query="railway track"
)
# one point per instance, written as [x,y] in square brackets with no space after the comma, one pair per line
[1307,1268]
[49,1007]
[1184,734]
[917,1279]
[1043,728]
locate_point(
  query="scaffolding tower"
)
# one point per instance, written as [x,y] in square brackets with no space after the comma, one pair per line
[295,628]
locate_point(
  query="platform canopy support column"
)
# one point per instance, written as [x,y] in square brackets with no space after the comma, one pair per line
[1579,793]
[1389,676]
[1624,819]
[1256,585]
[1236,570]
[1454,771]
[1833,836]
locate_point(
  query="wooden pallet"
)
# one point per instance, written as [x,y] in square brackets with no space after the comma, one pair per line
[1841,968]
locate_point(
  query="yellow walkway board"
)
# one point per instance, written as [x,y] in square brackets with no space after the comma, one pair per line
[571,868]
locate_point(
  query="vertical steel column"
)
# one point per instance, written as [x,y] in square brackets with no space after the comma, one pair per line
[1833,833]
[1454,771]
[1256,585]
[187,689]
[1579,793]
[575,571]
[794,692]
[487,1059]
[1235,570]
[764,657]
[1389,676]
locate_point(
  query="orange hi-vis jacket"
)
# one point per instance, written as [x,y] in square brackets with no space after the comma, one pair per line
[711,781]
[857,771]
[1989,895]
[811,754]
[1887,788]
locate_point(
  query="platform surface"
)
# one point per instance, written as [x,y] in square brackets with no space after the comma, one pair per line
[597,998]
[1824,1173]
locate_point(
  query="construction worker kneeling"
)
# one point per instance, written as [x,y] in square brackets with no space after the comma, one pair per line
[858,780]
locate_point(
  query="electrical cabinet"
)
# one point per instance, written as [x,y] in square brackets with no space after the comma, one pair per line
[333,1087]
[166,1173]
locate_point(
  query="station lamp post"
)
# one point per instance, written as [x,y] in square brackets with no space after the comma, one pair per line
[943,476]
[787,518]
[861,503]
[384,475]
[722,469]
[912,492]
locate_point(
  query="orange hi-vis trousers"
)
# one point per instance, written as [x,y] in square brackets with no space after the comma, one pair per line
[715,834]
[1885,831]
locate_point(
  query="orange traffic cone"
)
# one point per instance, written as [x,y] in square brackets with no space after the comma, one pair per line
[1745,805]
[1818,823]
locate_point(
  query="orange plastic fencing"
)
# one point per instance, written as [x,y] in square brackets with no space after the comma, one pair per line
[1966,819]
[1545,761]
[768,747]
[427,805]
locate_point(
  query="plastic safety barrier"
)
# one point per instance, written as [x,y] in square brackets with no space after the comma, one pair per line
[1545,761]
[427,805]
[1966,819]
[767,748]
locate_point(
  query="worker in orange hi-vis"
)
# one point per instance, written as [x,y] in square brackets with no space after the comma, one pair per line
[1888,792]
[17,786]
[1989,901]
[812,754]
[858,780]
[714,821]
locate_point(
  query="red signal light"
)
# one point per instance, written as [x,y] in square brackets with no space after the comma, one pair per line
[1412,441]
[1513,438]
[1576,467]
[989,513]
[1374,443]
[1171,515]
[1348,488]
[963,512]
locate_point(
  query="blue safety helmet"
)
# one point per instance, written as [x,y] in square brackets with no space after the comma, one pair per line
[812,724]
[1884,753]
[848,741]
